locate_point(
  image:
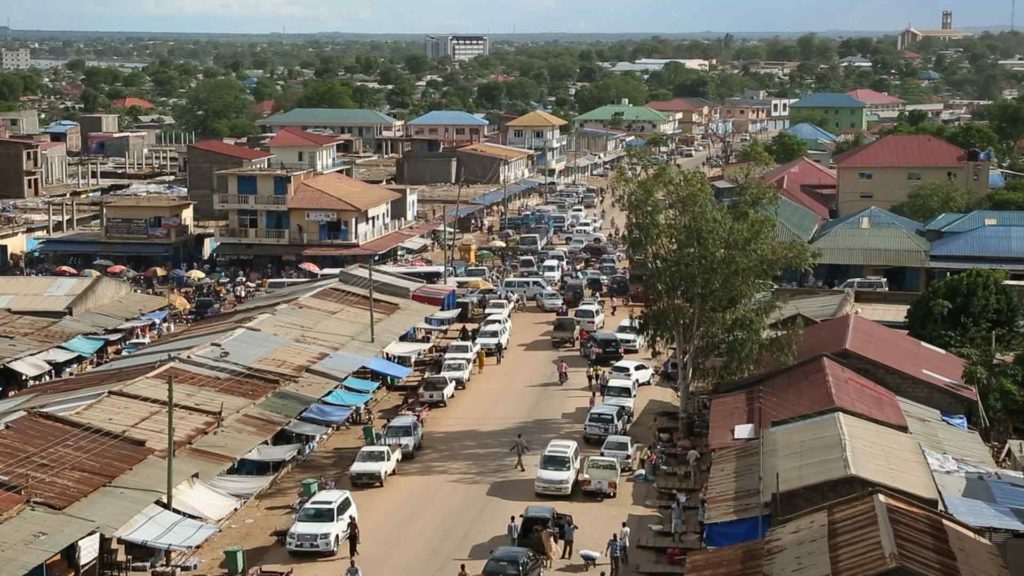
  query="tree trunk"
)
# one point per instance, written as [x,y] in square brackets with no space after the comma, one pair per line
[684,376]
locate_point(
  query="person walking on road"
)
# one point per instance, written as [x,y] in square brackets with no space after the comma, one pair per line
[520,448]
[464,334]
[590,376]
[615,305]
[353,570]
[693,470]
[614,551]
[480,357]
[568,537]
[512,531]
[624,542]
[499,351]
[462,570]
[353,538]
[593,398]
[676,520]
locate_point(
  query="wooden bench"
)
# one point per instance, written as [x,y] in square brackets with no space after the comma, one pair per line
[660,568]
[658,542]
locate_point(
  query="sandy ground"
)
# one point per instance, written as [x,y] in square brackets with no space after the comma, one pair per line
[450,505]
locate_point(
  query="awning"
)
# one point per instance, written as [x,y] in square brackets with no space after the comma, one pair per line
[56,355]
[134,324]
[105,248]
[197,498]
[286,403]
[29,366]
[84,345]
[306,428]
[265,453]
[415,244]
[341,397]
[326,413]
[414,349]
[162,529]
[158,315]
[435,295]
[443,315]
[240,486]
[425,326]
[388,368]
[360,385]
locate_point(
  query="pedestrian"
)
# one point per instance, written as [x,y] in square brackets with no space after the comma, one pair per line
[693,459]
[520,448]
[512,530]
[550,546]
[675,515]
[464,333]
[624,542]
[353,538]
[462,570]
[615,305]
[499,351]
[614,551]
[593,398]
[568,537]
[353,570]
[590,558]
[590,377]
[480,359]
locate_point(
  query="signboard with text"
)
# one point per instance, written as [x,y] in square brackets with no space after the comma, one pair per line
[321,216]
[128,227]
[87,549]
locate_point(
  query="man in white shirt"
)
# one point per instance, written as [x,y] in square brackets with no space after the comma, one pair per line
[693,459]
[353,570]
[624,542]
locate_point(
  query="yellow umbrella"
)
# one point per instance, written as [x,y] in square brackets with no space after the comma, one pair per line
[156,271]
[90,273]
[479,284]
[195,274]
[178,302]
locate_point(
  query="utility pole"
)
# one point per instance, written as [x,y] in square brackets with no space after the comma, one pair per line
[444,244]
[170,454]
[504,186]
[458,206]
[372,329]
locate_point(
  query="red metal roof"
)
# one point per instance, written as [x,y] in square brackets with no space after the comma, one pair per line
[263,108]
[131,101]
[221,147]
[893,349]
[291,137]
[903,150]
[873,97]
[809,388]
[673,105]
[792,178]
[10,501]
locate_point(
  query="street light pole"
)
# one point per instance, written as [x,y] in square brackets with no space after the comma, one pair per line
[372,328]
[170,454]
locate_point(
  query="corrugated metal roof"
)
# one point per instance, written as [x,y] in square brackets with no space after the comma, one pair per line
[871,247]
[902,150]
[954,223]
[145,420]
[942,220]
[328,117]
[264,351]
[828,100]
[237,436]
[36,534]
[113,314]
[808,131]
[68,462]
[447,118]
[933,433]
[287,403]
[733,484]
[738,560]
[627,113]
[159,352]
[817,307]
[794,222]
[997,242]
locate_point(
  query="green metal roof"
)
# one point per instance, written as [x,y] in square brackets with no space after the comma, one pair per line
[952,222]
[872,237]
[327,117]
[943,220]
[628,114]
[286,403]
[794,221]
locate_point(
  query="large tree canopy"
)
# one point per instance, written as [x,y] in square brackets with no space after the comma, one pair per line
[928,200]
[218,107]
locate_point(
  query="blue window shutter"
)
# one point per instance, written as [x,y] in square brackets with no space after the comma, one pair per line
[247,185]
[280,186]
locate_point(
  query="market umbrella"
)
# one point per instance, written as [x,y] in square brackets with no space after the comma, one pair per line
[179,302]
[116,269]
[156,271]
[195,274]
[310,267]
[90,273]
[497,244]
[484,255]
[65,271]
[479,284]
[103,263]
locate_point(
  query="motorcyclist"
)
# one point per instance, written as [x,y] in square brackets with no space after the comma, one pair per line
[563,371]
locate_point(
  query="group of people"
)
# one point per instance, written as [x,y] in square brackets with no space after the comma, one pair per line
[546,539]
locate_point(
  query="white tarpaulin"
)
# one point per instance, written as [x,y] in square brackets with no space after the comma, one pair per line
[306,428]
[241,486]
[397,348]
[425,326]
[445,315]
[29,366]
[197,498]
[56,355]
[415,243]
[162,529]
[265,453]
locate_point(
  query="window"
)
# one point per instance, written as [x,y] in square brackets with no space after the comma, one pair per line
[460,131]
[866,195]
[155,222]
[280,186]
[538,134]
[518,134]
[300,154]
[248,219]
[915,176]
[247,185]
[344,506]
[432,131]
[277,220]
[865,175]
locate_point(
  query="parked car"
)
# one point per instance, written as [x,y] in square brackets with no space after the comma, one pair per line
[457,370]
[489,337]
[527,264]
[621,448]
[322,523]
[436,389]
[600,476]
[543,516]
[551,271]
[589,317]
[549,301]
[559,466]
[498,308]
[601,347]
[462,350]
[576,245]
[513,561]
[497,320]
[604,420]
[871,283]
[405,431]
[618,286]
[640,373]
[590,200]
[621,392]
[373,465]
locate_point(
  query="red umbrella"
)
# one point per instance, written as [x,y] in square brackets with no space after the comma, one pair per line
[310,267]
[65,271]
[116,269]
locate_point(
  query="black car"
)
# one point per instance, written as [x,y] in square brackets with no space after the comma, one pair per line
[603,347]
[544,517]
[513,561]
[618,286]
[206,307]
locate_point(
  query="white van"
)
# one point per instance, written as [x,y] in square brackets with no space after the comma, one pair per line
[525,287]
[551,271]
[322,523]
[589,317]
[558,469]
[530,243]
[871,283]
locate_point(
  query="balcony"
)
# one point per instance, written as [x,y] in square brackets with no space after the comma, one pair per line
[322,167]
[264,201]
[253,235]
[538,143]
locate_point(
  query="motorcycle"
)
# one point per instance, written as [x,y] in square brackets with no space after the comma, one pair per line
[562,378]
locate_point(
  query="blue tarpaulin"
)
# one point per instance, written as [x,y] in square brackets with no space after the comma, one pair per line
[735,531]
[83,345]
[511,191]
[325,413]
[360,385]
[958,420]
[158,315]
[387,368]
[346,398]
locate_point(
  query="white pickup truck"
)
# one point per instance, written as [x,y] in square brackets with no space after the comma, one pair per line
[374,464]
[600,476]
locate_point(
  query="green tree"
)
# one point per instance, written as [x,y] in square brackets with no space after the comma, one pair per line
[785,147]
[756,153]
[216,108]
[93,101]
[76,66]
[368,96]
[416,64]
[929,199]
[264,89]
[1006,118]
[973,135]
[1011,197]
[330,93]
[612,90]
[705,263]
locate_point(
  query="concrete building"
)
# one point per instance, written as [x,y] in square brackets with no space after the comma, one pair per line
[646,65]
[419,166]
[20,169]
[451,127]
[910,35]
[97,123]
[840,112]
[459,48]
[298,149]
[884,172]
[15,59]
[373,128]
[66,131]
[54,157]
[208,157]
[493,164]
[20,122]
[880,106]
[747,115]
[540,132]
[694,116]
[631,119]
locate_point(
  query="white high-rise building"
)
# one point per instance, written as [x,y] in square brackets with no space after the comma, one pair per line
[17,59]
[458,48]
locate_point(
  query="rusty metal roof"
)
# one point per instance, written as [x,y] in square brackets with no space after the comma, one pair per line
[738,560]
[237,436]
[144,419]
[733,487]
[56,461]
[37,534]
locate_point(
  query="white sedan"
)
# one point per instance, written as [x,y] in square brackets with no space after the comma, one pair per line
[628,332]
[489,337]
[639,372]
[549,301]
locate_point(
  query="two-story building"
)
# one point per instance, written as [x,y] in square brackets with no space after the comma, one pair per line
[540,132]
[838,112]
[276,214]
[638,120]
[20,169]
[66,131]
[487,163]
[208,157]
[374,129]
[747,115]
[20,122]
[694,116]
[451,127]
[879,105]
[301,150]
[884,172]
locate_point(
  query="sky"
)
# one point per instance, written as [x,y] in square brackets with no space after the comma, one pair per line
[495,16]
